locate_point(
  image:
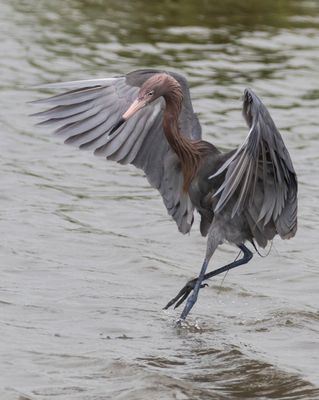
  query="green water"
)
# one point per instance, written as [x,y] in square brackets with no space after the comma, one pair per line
[88,256]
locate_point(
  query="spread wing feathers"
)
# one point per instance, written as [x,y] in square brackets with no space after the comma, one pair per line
[84,116]
[259,177]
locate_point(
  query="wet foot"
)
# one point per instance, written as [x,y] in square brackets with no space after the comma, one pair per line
[183,294]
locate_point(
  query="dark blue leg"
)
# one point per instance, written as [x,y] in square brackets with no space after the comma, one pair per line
[248,255]
[193,298]
[186,290]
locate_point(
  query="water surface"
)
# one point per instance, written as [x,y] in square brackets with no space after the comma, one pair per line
[88,256]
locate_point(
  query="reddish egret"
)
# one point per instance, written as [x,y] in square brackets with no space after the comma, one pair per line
[146,118]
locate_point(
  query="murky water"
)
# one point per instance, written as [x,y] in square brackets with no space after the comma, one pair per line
[88,255]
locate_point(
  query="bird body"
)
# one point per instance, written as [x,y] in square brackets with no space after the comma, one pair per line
[146,118]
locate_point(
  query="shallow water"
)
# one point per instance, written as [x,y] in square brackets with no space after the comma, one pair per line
[88,256]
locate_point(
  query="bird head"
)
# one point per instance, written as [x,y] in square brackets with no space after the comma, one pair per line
[156,86]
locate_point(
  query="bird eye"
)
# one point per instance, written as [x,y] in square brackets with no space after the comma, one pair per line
[150,93]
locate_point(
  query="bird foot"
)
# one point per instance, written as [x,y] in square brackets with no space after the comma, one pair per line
[183,294]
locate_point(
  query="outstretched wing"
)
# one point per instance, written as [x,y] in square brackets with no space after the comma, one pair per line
[85,115]
[260,179]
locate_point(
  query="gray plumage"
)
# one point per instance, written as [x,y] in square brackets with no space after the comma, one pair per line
[84,116]
[146,119]
[260,177]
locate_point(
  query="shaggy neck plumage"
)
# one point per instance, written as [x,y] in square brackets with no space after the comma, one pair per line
[187,150]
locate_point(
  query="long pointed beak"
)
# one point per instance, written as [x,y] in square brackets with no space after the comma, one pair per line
[134,107]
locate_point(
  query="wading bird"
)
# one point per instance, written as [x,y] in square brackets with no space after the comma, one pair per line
[146,118]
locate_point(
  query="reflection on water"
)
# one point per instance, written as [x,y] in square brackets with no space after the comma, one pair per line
[88,255]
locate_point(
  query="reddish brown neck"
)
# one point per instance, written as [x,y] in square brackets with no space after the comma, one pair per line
[187,150]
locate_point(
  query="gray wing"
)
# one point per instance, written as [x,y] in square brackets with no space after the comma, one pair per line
[85,115]
[260,179]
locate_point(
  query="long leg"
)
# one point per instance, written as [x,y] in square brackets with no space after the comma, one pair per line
[248,255]
[185,291]
[193,298]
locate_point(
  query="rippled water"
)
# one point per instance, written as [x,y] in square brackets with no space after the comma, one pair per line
[88,255]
